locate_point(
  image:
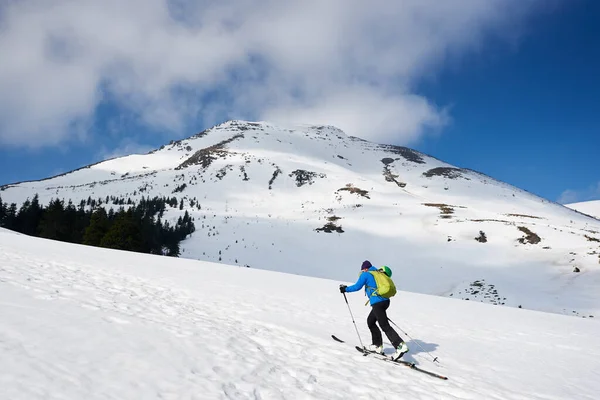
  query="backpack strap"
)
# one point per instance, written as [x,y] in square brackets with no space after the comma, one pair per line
[373,293]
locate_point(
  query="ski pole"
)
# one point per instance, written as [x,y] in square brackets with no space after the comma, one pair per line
[435,359]
[355,327]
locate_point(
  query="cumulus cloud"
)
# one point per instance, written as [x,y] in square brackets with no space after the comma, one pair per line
[173,63]
[364,111]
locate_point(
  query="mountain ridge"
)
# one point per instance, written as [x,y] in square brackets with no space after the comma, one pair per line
[591,208]
[269,197]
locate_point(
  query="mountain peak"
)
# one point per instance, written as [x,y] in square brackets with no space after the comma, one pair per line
[312,200]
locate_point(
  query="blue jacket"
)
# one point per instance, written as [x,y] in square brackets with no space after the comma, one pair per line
[366,279]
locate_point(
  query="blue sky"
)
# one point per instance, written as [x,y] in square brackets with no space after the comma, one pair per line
[508,88]
[529,115]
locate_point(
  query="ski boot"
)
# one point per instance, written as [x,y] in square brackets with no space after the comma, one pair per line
[375,348]
[401,350]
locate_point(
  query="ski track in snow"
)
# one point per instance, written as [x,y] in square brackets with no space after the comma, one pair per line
[125,300]
[100,324]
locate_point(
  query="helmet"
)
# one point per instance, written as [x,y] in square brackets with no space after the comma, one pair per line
[387,270]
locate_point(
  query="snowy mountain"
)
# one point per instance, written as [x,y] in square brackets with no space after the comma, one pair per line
[591,208]
[90,323]
[312,201]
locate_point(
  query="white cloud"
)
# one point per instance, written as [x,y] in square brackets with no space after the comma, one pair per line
[364,111]
[348,63]
[570,196]
[126,147]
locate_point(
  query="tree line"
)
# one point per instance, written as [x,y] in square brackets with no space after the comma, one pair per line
[134,227]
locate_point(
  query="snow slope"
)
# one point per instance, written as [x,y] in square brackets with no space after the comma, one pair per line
[591,208]
[81,322]
[259,194]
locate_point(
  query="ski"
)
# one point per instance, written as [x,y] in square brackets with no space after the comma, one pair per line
[337,339]
[409,364]
[383,357]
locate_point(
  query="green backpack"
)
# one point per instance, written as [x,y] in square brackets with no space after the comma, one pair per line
[385,284]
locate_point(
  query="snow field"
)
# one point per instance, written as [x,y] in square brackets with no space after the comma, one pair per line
[83,322]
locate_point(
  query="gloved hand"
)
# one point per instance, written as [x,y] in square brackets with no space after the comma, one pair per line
[343,288]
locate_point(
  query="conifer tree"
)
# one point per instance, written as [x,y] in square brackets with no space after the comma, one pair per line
[97,228]
[52,224]
[124,233]
[137,229]
[2,212]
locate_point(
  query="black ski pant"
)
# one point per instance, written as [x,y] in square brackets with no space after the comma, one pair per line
[379,315]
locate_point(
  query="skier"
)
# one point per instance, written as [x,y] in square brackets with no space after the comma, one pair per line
[378,307]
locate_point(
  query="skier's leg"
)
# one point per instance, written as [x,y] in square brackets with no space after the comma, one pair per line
[379,309]
[376,338]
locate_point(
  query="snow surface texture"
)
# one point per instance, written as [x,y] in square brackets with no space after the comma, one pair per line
[312,201]
[591,208]
[89,323]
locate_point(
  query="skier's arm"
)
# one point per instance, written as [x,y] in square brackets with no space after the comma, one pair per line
[362,280]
